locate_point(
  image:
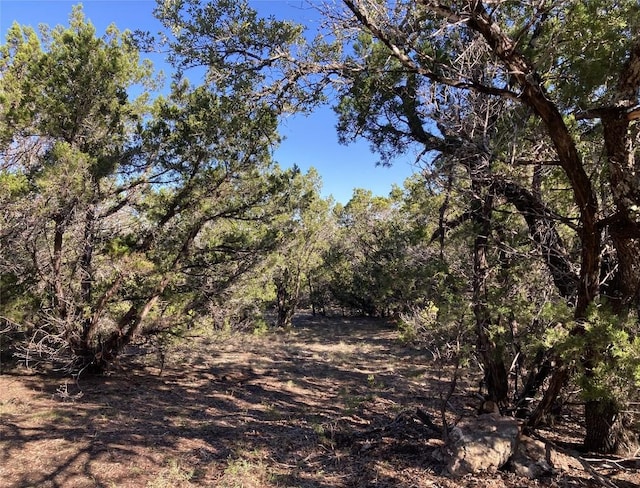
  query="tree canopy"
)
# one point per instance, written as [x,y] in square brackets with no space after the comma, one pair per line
[123,212]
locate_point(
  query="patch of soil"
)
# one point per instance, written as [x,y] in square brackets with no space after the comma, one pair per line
[331,403]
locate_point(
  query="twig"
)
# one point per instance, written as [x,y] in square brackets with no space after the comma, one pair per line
[604,481]
[600,479]
[614,461]
[63,393]
[445,401]
[453,384]
[425,418]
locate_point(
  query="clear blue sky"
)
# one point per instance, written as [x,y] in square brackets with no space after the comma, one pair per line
[309,141]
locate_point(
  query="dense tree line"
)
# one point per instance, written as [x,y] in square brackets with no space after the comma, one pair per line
[519,237]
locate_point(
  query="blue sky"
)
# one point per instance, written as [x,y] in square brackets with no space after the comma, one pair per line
[309,141]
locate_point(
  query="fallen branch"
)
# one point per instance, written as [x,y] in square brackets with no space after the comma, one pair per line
[615,462]
[602,480]
[585,462]
[403,418]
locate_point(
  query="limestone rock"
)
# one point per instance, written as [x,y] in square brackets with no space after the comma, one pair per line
[531,458]
[482,444]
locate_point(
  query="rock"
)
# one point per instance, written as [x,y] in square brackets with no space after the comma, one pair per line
[482,444]
[489,406]
[564,463]
[531,458]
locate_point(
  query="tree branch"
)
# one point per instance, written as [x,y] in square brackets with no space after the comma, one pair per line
[401,55]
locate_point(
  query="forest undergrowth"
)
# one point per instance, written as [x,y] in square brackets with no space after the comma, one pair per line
[331,403]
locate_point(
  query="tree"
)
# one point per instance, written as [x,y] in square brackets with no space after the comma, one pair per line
[526,51]
[120,213]
[66,135]
[359,259]
[377,262]
[308,234]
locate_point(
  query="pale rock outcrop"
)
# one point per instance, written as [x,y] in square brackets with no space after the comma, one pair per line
[482,444]
[531,459]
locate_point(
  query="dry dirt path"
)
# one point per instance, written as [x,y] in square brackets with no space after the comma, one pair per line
[329,404]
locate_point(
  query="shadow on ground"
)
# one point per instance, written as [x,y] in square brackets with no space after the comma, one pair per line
[328,404]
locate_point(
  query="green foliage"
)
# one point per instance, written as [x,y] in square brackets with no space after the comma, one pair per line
[590,41]
[414,326]
[72,86]
[17,301]
[381,107]
[122,216]
[14,185]
[261,327]
[612,346]
[301,232]
[240,50]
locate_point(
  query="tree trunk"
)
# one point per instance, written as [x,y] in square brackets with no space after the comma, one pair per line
[59,301]
[556,384]
[543,231]
[602,417]
[624,229]
[284,300]
[98,357]
[86,279]
[604,426]
[540,370]
[494,368]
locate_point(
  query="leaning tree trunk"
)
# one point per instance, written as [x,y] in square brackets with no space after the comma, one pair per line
[96,356]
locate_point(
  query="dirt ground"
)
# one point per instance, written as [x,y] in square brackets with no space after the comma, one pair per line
[330,404]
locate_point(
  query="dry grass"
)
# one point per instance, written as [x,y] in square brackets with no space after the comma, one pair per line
[326,405]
